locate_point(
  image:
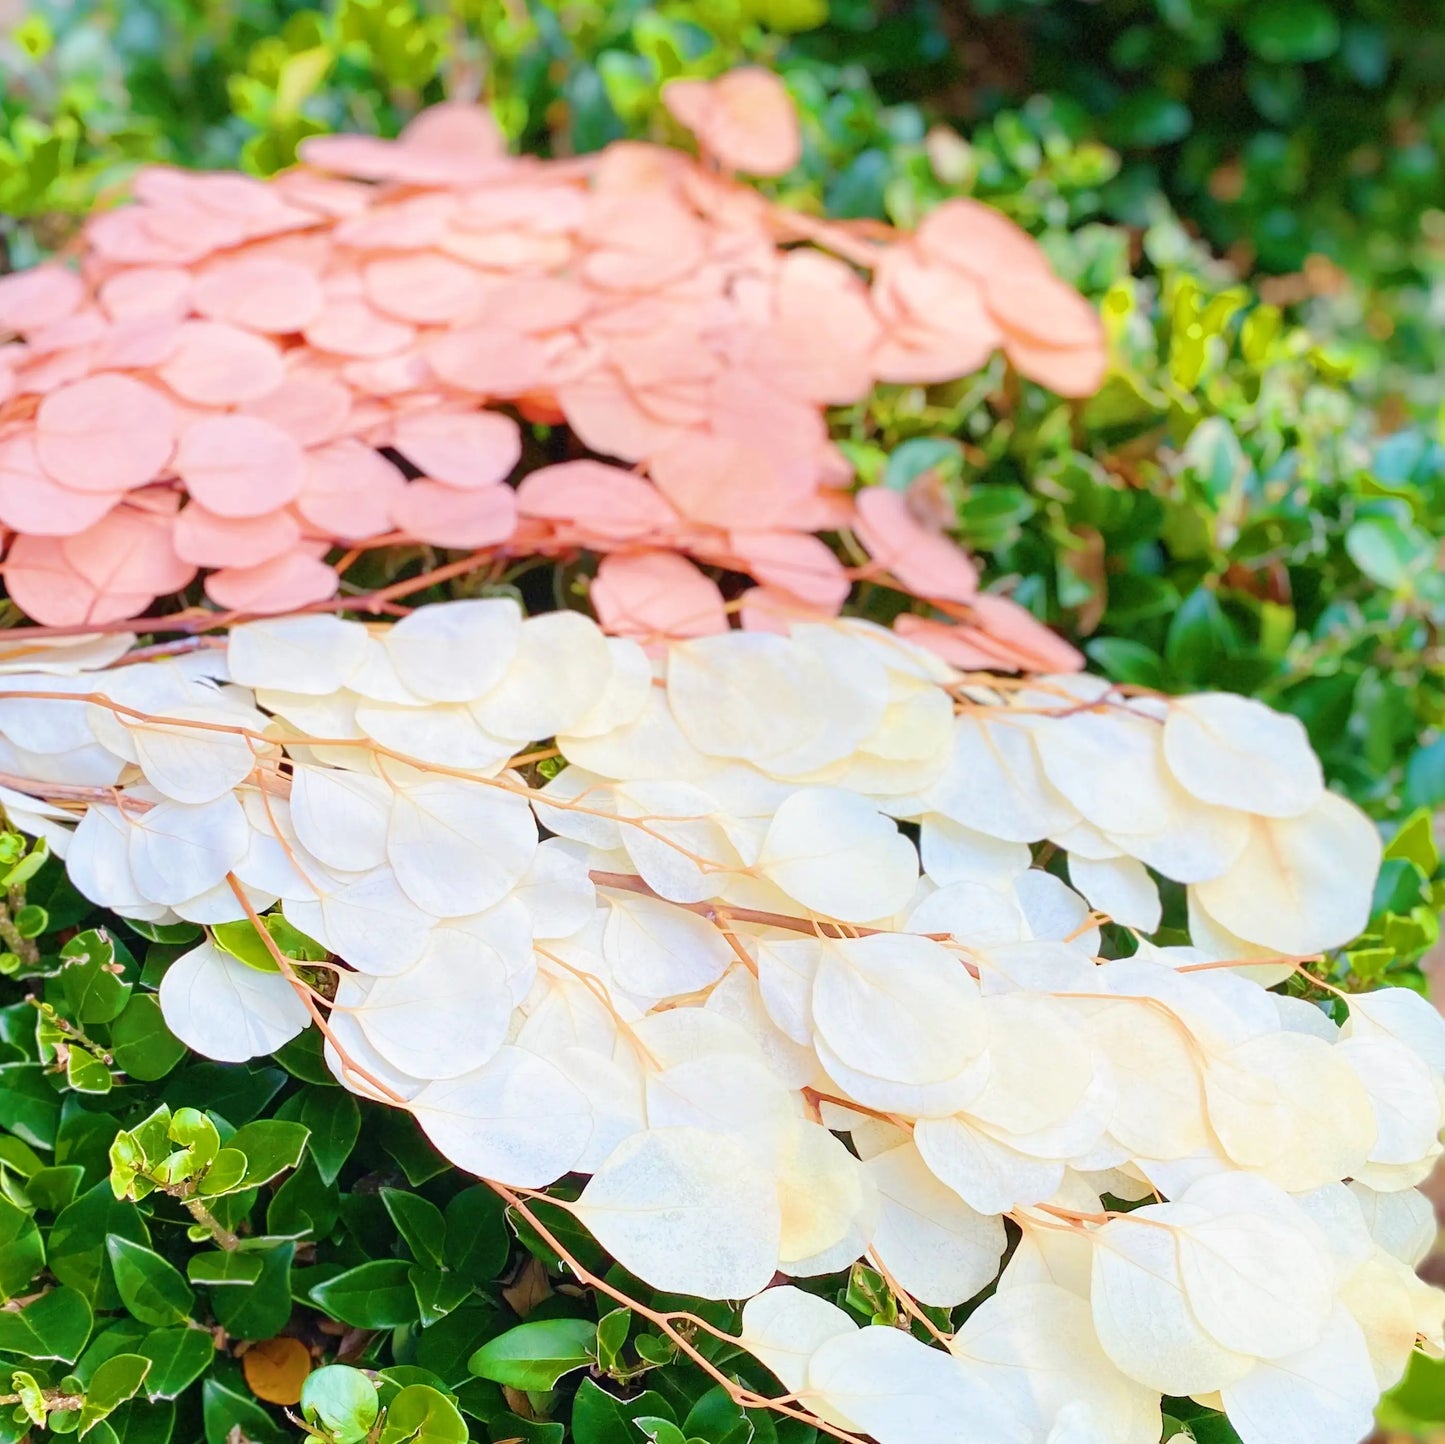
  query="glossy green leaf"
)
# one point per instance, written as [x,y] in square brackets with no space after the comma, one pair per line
[115,1381]
[612,1331]
[178,1358]
[225,1410]
[218,1269]
[659,1430]
[271,1146]
[718,1418]
[22,1250]
[375,1295]
[142,1045]
[54,1326]
[77,1245]
[94,990]
[437,1293]
[152,1289]
[258,1310]
[535,1355]
[419,1222]
[334,1119]
[600,1417]
[304,1205]
[52,1189]
[477,1238]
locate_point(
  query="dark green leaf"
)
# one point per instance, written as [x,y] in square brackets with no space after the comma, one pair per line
[177,934]
[304,1057]
[218,1268]
[259,1310]
[29,1107]
[54,1326]
[535,1355]
[52,1189]
[152,1290]
[375,1295]
[22,1250]
[444,1347]
[1124,660]
[507,1425]
[1149,118]
[178,1358]
[334,1119]
[477,1238]
[271,1146]
[437,1293]
[1286,31]
[94,992]
[225,1410]
[1200,635]
[718,1418]
[235,1092]
[304,1206]
[78,1255]
[406,1143]
[419,1222]
[140,1042]
[599,1417]
[143,1422]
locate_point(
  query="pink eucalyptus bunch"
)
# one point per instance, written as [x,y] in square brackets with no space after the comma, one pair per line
[242,377]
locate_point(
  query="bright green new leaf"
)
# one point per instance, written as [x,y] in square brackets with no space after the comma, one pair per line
[32,1396]
[612,1331]
[421,1415]
[341,1400]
